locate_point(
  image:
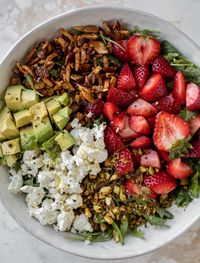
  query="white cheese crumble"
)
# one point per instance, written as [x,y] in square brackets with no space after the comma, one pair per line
[57,194]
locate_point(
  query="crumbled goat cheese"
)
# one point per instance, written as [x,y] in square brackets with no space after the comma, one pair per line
[34,195]
[16,182]
[81,224]
[65,220]
[74,201]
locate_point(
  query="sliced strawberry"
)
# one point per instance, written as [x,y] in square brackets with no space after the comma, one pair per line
[168,104]
[110,109]
[165,156]
[152,194]
[151,158]
[195,152]
[136,158]
[139,124]
[96,108]
[118,122]
[125,79]
[199,136]
[141,142]
[169,129]
[142,108]
[179,87]
[178,169]
[132,188]
[127,133]
[162,66]
[143,50]
[123,162]
[194,124]
[161,182]
[141,74]
[192,97]
[152,120]
[154,88]
[120,97]
[112,141]
[120,53]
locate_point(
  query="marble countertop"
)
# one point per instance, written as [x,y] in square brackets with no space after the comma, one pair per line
[16,18]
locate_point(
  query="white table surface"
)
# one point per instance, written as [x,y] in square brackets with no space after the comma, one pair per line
[16,18]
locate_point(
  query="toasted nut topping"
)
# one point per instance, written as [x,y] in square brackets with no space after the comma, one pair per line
[108,219]
[106,190]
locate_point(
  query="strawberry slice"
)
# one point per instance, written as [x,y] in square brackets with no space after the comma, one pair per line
[195,152]
[125,79]
[118,122]
[194,124]
[161,182]
[110,110]
[124,162]
[179,87]
[132,188]
[121,54]
[143,50]
[192,97]
[139,124]
[142,108]
[141,142]
[112,141]
[120,97]
[168,104]
[162,66]
[127,133]
[165,156]
[96,108]
[179,169]
[151,158]
[152,120]
[169,129]
[154,88]
[141,74]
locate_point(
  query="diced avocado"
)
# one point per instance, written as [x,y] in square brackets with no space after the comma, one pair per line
[63,99]
[11,147]
[28,139]
[38,111]
[11,159]
[42,130]
[1,154]
[13,97]
[22,118]
[3,160]
[7,125]
[2,138]
[29,98]
[65,140]
[52,106]
[52,148]
[61,118]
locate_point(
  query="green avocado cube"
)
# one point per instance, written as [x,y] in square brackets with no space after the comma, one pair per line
[63,99]
[65,140]
[61,118]
[52,106]
[42,130]
[11,147]
[2,138]
[11,159]
[52,148]
[13,97]
[38,111]
[8,129]
[1,154]
[29,98]
[22,118]
[28,139]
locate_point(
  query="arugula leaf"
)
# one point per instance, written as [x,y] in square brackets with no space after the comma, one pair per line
[155,220]
[183,198]
[145,32]
[100,120]
[136,232]
[107,39]
[18,166]
[31,182]
[124,228]
[164,213]
[120,231]
[30,81]
[187,115]
[114,60]
[194,187]
[180,149]
[54,72]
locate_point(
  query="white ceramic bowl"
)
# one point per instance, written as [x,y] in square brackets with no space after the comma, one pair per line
[15,205]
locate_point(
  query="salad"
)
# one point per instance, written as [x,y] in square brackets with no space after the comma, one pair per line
[100,129]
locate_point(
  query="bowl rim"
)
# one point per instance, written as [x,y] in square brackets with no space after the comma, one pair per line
[52,19]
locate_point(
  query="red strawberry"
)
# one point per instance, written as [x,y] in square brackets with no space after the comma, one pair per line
[195,152]
[132,188]
[168,104]
[154,88]
[139,124]
[179,87]
[119,52]
[141,142]
[109,110]
[151,158]
[194,124]
[143,50]
[136,158]
[124,162]
[127,133]
[165,156]
[112,141]
[199,136]
[192,97]
[120,97]
[95,109]
[118,122]
[161,182]
[141,74]
[162,66]
[125,79]
[179,169]
[152,120]
[142,108]
[169,129]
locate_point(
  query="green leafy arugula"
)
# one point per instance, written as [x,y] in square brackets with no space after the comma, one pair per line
[145,32]
[187,115]
[30,81]
[180,149]
[136,232]
[194,187]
